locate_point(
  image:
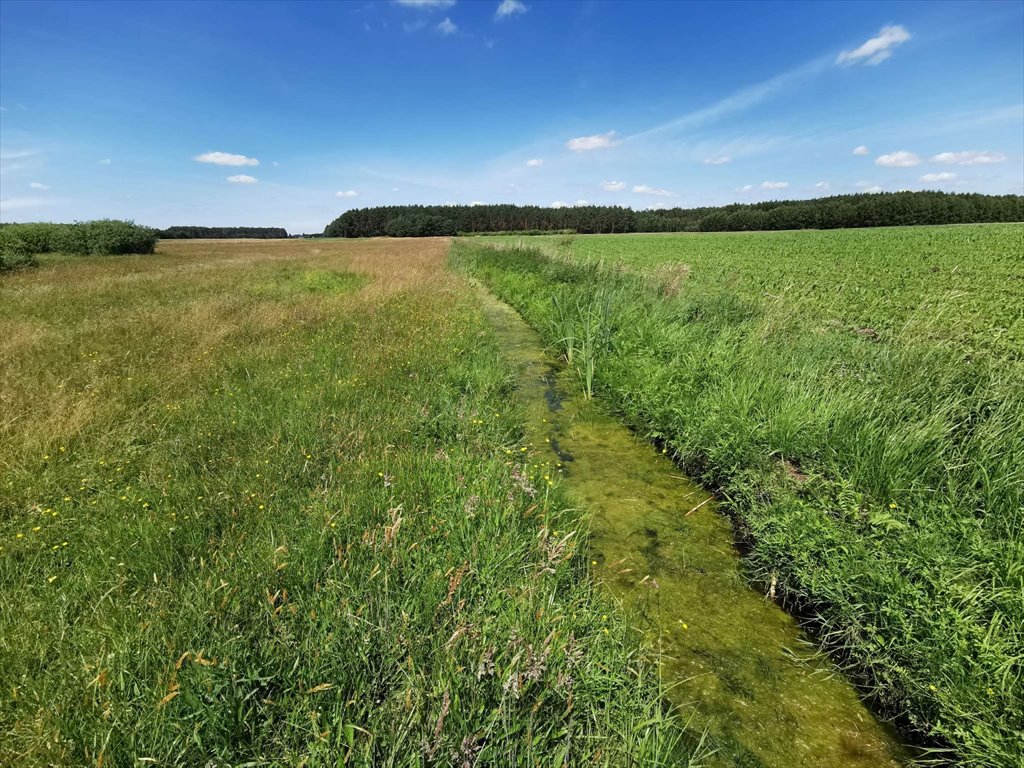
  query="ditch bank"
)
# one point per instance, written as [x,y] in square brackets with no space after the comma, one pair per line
[732,661]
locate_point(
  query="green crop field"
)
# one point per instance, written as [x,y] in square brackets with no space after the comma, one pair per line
[856,397]
[257,508]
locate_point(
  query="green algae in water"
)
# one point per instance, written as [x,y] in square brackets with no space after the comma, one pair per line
[760,687]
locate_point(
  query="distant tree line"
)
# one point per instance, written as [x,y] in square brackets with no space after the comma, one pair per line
[191,233]
[20,243]
[883,209]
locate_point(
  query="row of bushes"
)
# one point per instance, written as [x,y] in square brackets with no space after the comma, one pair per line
[20,243]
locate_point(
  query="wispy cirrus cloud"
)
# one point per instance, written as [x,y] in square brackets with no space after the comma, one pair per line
[23,203]
[613,186]
[774,184]
[877,49]
[971,157]
[742,100]
[644,189]
[535,162]
[589,143]
[38,185]
[426,5]
[720,160]
[223,158]
[447,27]
[347,193]
[861,151]
[242,178]
[944,176]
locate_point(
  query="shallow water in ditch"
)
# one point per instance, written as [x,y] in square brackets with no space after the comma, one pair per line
[728,655]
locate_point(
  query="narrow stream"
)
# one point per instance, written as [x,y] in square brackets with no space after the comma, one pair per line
[742,664]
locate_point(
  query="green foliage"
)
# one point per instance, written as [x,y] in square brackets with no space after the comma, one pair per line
[85,238]
[419,225]
[189,233]
[841,211]
[582,332]
[17,246]
[861,408]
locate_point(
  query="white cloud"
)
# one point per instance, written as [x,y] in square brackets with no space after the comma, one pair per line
[871,190]
[613,186]
[20,203]
[275,164]
[536,162]
[746,188]
[720,160]
[105,161]
[582,202]
[867,186]
[877,49]
[861,150]
[478,202]
[597,141]
[972,157]
[347,193]
[644,189]
[741,100]
[901,159]
[774,184]
[447,27]
[823,185]
[19,155]
[944,176]
[426,4]
[37,185]
[560,204]
[509,8]
[224,158]
[242,179]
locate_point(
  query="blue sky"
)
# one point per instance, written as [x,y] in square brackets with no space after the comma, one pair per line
[286,114]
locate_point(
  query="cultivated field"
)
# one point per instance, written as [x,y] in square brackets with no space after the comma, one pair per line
[857,398]
[257,507]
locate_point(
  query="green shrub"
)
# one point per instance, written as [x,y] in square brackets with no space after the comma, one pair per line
[15,250]
[19,243]
[109,237]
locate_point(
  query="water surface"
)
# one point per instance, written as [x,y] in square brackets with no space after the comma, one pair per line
[730,655]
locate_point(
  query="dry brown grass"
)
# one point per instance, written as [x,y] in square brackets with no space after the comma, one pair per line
[81,338]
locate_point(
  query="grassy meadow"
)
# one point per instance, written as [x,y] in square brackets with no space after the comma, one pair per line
[257,507]
[856,398]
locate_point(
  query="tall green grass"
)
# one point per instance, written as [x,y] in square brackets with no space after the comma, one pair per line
[285,527]
[877,474]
